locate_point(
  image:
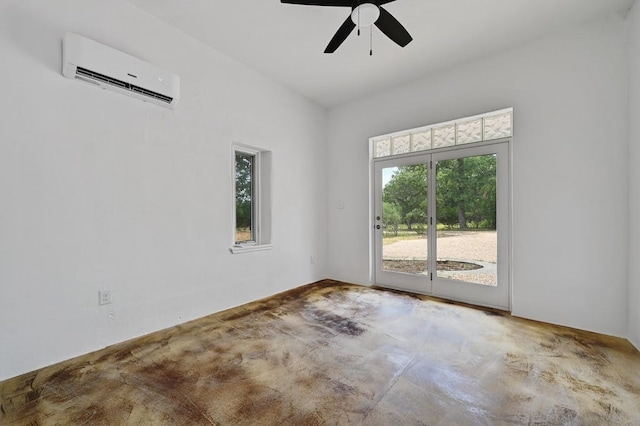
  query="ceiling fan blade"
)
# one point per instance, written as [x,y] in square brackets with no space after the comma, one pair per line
[341,35]
[345,3]
[393,29]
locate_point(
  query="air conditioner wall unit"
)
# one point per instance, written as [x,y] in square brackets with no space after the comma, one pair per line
[89,61]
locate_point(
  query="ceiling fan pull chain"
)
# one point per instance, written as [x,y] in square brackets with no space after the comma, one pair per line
[371,40]
[358,21]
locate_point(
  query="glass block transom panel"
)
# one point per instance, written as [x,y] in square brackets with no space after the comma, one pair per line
[382,147]
[479,128]
[498,126]
[469,132]
[401,144]
[444,136]
[421,141]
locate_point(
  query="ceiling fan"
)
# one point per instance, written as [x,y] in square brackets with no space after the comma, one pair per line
[364,13]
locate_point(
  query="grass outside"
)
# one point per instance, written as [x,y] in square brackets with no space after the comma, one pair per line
[404,234]
[243,235]
[390,240]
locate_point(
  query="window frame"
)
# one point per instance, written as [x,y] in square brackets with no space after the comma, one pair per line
[261,200]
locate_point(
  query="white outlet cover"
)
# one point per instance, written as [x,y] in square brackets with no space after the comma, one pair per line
[104,297]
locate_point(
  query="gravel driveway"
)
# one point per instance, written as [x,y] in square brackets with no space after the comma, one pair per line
[479,247]
[467,246]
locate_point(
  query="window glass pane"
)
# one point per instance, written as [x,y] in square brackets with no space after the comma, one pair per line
[245,206]
[422,140]
[470,131]
[444,136]
[401,144]
[382,147]
[498,126]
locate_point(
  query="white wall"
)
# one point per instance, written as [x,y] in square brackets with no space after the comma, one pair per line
[633,52]
[102,190]
[570,168]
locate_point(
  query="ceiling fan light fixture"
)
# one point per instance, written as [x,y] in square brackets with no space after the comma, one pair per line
[365,14]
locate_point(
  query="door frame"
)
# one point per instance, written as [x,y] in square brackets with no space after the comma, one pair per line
[423,284]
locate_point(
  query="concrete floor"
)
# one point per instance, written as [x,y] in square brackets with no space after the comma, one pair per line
[332,353]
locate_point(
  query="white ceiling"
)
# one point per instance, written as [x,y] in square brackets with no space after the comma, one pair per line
[286,42]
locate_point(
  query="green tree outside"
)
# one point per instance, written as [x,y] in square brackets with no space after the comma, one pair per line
[407,190]
[391,216]
[465,194]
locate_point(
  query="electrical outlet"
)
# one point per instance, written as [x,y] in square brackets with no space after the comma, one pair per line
[104,297]
[312,260]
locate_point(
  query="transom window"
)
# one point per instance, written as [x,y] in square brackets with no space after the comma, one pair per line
[479,128]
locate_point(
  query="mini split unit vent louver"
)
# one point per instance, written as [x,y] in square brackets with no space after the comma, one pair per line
[89,61]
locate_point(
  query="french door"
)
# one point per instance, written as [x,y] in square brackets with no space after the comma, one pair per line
[441,224]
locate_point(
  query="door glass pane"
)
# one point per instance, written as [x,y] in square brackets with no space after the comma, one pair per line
[404,219]
[466,243]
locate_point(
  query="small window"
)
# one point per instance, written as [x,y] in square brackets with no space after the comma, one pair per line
[245,200]
[252,201]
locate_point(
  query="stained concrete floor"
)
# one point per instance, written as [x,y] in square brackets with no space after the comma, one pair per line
[333,353]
